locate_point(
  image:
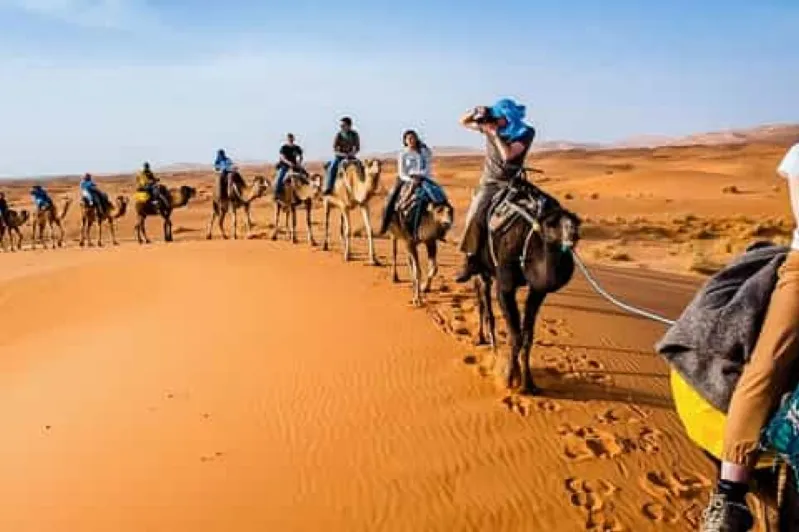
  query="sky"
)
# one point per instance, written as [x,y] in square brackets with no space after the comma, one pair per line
[103,85]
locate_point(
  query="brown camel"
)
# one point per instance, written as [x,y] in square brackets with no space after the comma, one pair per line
[49,217]
[356,184]
[17,219]
[532,251]
[90,214]
[298,189]
[234,201]
[176,198]
[434,223]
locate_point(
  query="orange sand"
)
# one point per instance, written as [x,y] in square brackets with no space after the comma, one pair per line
[255,386]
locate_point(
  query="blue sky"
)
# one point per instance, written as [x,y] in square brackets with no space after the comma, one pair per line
[102,85]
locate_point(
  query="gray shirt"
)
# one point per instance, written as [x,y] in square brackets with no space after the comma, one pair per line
[496,169]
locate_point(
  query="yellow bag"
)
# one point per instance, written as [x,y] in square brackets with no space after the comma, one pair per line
[141,196]
[703,423]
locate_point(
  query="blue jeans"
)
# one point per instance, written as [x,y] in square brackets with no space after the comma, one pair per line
[432,190]
[332,171]
[282,172]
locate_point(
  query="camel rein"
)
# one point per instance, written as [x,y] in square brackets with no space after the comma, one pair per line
[624,306]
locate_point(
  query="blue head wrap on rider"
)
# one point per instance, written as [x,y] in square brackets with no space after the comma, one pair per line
[514,114]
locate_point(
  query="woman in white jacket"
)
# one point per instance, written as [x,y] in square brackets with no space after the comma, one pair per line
[413,166]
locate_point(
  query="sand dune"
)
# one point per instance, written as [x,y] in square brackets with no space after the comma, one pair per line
[254,385]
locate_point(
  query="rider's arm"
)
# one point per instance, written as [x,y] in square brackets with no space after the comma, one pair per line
[401,167]
[299,156]
[427,161]
[507,151]
[356,147]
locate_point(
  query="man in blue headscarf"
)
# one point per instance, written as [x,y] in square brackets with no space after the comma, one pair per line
[508,139]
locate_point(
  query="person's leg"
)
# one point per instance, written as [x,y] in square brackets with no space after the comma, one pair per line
[764,380]
[330,178]
[282,171]
[391,201]
[473,231]
[433,191]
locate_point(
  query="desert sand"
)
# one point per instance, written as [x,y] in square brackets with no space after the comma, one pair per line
[254,385]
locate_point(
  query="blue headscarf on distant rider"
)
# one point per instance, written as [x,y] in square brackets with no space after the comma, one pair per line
[514,114]
[222,161]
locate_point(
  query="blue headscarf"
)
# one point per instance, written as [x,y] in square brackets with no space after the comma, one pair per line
[514,114]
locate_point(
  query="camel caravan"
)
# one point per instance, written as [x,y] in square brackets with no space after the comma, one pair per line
[515,236]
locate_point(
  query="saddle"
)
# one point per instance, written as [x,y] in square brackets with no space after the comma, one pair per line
[411,202]
[520,199]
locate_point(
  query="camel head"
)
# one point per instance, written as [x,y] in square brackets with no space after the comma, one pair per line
[22,217]
[561,229]
[185,193]
[547,261]
[440,217]
[260,185]
[122,206]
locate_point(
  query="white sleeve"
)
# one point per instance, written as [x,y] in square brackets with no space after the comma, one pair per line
[789,167]
[401,167]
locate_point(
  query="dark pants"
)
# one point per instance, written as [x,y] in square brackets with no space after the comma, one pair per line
[332,171]
[474,232]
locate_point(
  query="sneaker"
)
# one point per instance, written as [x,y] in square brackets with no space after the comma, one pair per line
[723,515]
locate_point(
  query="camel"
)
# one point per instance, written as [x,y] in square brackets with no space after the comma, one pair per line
[536,253]
[177,198]
[356,184]
[49,216]
[91,215]
[236,200]
[18,219]
[297,190]
[433,225]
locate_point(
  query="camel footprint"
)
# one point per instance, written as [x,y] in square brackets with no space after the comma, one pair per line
[587,443]
[671,491]
[594,498]
[523,405]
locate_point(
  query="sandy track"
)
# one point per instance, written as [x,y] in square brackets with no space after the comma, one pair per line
[258,386]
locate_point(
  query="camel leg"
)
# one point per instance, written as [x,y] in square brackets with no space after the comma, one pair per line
[33,235]
[486,310]
[326,241]
[531,308]
[222,216]
[113,232]
[19,238]
[209,234]
[142,227]
[308,223]
[416,272]
[432,268]
[235,214]
[367,222]
[510,311]
[100,233]
[277,221]
[61,233]
[394,274]
[248,221]
[346,234]
[293,213]
[167,229]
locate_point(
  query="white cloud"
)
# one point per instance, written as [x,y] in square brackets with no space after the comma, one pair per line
[108,14]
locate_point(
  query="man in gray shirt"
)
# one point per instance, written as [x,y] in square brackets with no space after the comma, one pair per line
[508,139]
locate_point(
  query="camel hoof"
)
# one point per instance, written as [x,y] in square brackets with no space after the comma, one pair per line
[375,262]
[325,247]
[208,237]
[274,237]
[395,279]
[529,388]
[116,243]
[426,289]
